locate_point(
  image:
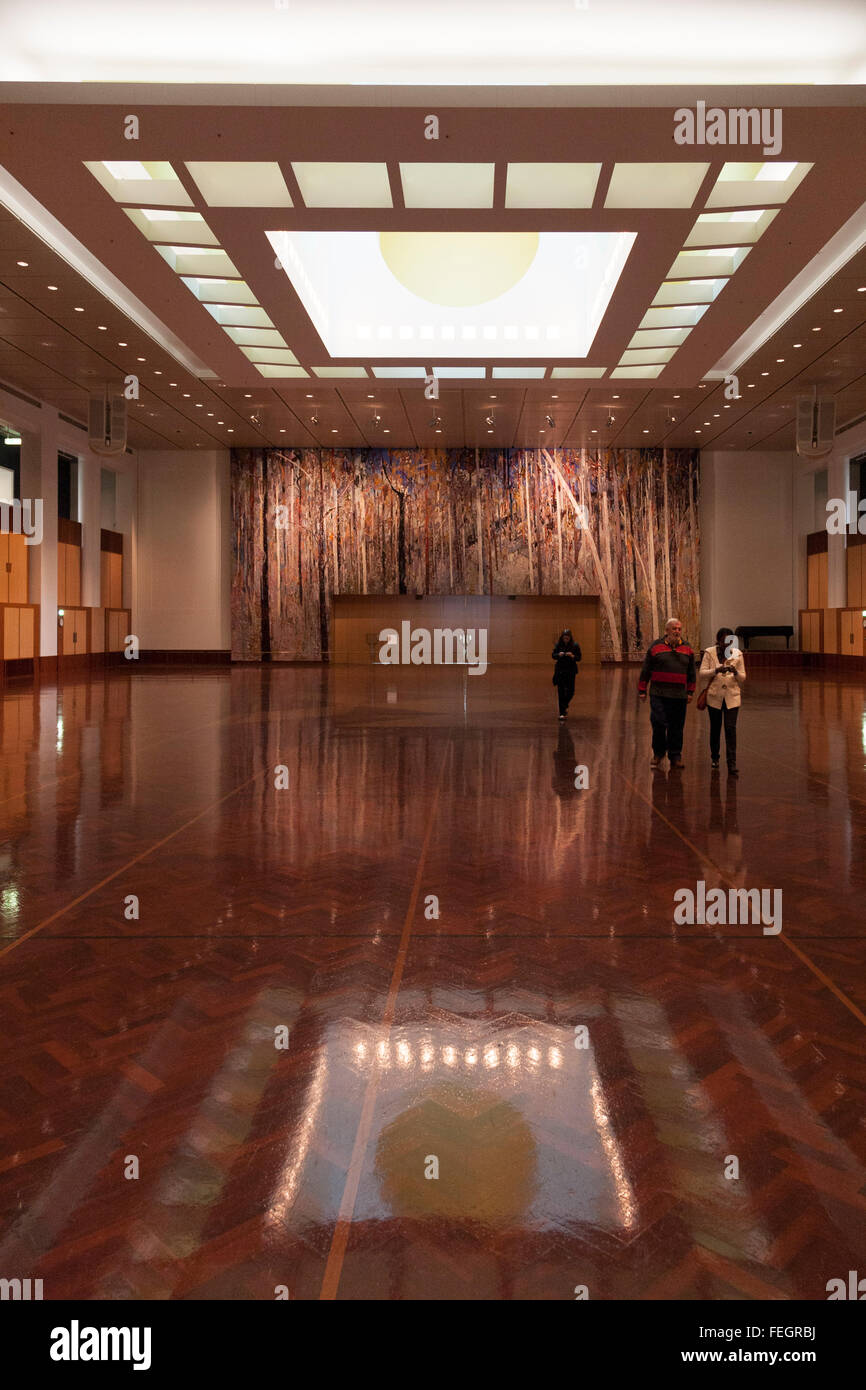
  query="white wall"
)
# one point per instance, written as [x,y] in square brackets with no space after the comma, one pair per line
[183,551]
[748,572]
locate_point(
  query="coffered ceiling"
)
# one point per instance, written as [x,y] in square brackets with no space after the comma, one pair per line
[294,272]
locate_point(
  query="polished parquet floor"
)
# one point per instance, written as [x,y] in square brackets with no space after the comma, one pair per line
[332,987]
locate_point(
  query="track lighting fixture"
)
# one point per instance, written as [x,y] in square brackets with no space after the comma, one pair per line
[314,419]
[488,420]
[550,421]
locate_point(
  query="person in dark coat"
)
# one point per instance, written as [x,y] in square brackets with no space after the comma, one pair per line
[566,654]
[668,673]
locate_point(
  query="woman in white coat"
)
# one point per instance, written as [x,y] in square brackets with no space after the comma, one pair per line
[723,673]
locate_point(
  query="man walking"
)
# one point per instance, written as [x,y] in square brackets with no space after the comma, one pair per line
[669,672]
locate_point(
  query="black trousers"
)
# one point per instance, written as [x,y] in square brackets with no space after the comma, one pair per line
[667,718]
[565,691]
[729,718]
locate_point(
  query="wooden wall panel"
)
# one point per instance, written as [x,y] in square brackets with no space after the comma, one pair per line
[74,632]
[11,633]
[520,631]
[830,631]
[851,632]
[111,579]
[816,581]
[27,632]
[19,552]
[854,561]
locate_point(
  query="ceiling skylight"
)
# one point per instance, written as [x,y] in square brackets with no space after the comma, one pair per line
[551,185]
[131,181]
[533,303]
[447,185]
[240,183]
[337,185]
[751,185]
[654,185]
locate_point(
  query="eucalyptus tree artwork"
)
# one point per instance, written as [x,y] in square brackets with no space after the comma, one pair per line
[310,523]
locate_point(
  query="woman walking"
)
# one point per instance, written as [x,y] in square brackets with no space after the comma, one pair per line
[724,671]
[566,654]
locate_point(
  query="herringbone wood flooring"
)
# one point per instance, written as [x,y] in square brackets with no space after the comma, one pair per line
[414,1036]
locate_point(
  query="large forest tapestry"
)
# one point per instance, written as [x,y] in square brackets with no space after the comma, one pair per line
[309,523]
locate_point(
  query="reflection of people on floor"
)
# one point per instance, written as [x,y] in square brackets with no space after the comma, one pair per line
[724,841]
[566,654]
[564,763]
[668,673]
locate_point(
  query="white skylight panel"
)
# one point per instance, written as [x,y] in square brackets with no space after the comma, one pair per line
[406,371]
[535,373]
[749,185]
[270,354]
[240,183]
[447,185]
[654,185]
[456,373]
[172,228]
[256,337]
[331,184]
[578,373]
[239,315]
[133,181]
[681,315]
[460,294]
[688,292]
[633,357]
[741,228]
[213,291]
[659,337]
[203,261]
[551,185]
[340,371]
[711,263]
[638,373]
[274,370]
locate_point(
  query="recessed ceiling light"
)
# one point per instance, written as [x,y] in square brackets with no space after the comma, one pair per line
[727,407]
[593,431]
[157,372]
[765,373]
[780,359]
[816,330]
[388,431]
[697,431]
[861,289]
[489,431]
[230,430]
[438,431]
[554,398]
[248,395]
[309,395]
[186,395]
[220,422]
[51,287]
[676,398]
[103,327]
[123,344]
[703,386]
[79,308]
[716,415]
[24,263]
[646,431]
[210,415]
[141,359]
[198,405]
[172,383]
[798,345]
[837,311]
[333,431]
[370,396]
[616,398]
[750,386]
[282,431]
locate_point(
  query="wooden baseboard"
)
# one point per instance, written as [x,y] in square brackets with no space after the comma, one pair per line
[186,658]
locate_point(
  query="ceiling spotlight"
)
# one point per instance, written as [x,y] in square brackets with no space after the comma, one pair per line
[549,421]
[377,419]
[436,422]
[24,263]
[314,419]
[610,420]
[488,420]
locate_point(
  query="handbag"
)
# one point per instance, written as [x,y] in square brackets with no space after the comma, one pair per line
[701,701]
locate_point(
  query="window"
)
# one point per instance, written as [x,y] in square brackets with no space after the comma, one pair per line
[67,487]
